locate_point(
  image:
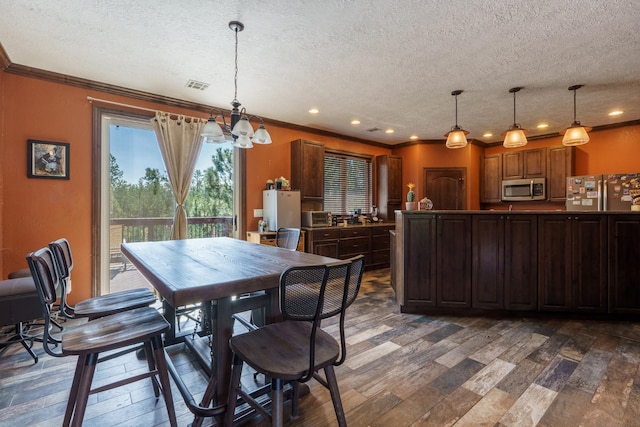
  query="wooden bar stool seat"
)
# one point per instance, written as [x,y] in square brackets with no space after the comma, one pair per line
[138,326]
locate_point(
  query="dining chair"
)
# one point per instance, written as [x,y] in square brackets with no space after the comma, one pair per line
[19,307]
[287,238]
[296,348]
[144,325]
[95,307]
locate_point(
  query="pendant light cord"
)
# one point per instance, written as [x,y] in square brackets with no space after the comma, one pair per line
[235,78]
[456,111]
[574,105]
[514,108]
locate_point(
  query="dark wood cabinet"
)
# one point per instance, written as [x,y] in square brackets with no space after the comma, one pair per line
[453,260]
[560,165]
[504,262]
[380,247]
[624,264]
[520,262]
[524,164]
[372,241]
[487,261]
[491,179]
[389,185]
[418,247]
[573,262]
[307,170]
[324,242]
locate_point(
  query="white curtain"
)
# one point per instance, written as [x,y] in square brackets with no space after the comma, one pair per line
[180,143]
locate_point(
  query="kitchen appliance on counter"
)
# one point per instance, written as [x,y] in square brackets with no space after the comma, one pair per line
[526,189]
[281,209]
[316,219]
[608,192]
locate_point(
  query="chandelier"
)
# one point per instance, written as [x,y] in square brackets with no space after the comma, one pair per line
[239,127]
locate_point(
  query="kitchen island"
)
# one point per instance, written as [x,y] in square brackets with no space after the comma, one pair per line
[527,261]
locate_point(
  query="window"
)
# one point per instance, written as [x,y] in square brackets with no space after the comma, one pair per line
[347,183]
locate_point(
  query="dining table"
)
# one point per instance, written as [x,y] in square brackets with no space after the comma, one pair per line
[213,271]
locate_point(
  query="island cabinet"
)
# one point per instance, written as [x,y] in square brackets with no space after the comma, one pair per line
[435,261]
[416,275]
[307,172]
[624,264]
[572,250]
[491,179]
[453,261]
[504,262]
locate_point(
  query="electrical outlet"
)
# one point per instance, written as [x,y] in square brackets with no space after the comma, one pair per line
[257,213]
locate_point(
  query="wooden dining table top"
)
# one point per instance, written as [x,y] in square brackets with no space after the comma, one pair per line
[193,270]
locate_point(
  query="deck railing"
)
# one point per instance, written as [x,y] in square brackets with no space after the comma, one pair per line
[154,229]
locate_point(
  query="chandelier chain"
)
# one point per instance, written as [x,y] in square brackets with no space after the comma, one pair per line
[235,78]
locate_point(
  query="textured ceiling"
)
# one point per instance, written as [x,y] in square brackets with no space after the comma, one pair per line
[390,64]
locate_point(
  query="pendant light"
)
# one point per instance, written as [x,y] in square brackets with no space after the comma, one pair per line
[515,136]
[457,137]
[240,129]
[576,134]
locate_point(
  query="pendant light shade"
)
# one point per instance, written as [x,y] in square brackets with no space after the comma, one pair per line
[576,134]
[457,137]
[515,136]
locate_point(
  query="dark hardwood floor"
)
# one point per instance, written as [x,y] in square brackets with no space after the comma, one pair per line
[401,370]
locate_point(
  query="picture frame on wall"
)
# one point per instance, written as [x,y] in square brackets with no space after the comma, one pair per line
[46,159]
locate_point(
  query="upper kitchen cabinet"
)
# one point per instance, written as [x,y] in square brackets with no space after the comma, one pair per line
[490,178]
[561,161]
[389,184]
[524,164]
[307,170]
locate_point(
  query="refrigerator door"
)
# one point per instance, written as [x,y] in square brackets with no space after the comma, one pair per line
[618,191]
[584,193]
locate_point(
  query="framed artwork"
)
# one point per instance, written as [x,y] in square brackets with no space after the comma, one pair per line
[47,159]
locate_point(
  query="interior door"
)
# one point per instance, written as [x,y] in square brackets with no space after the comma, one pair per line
[446,188]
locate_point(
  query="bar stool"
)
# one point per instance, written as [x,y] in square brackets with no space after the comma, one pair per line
[143,325]
[19,305]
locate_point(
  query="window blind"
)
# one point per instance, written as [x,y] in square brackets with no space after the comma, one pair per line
[347,183]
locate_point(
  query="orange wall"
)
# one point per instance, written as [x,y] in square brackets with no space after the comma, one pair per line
[417,157]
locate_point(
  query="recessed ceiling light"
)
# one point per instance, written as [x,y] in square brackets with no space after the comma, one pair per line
[543,126]
[314,111]
[389,131]
[413,137]
[487,135]
[616,113]
[355,122]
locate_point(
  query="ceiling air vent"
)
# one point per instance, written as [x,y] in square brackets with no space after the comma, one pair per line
[193,84]
[374,130]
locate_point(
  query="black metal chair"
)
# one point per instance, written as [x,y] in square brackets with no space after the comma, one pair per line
[95,307]
[295,349]
[118,331]
[287,238]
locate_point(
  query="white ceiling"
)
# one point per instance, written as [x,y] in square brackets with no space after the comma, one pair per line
[388,63]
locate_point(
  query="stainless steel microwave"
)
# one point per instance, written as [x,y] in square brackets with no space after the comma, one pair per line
[315,219]
[526,189]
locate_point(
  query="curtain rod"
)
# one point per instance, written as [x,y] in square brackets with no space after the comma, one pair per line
[135,107]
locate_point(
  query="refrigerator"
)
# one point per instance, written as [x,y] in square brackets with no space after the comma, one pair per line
[281,209]
[607,192]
